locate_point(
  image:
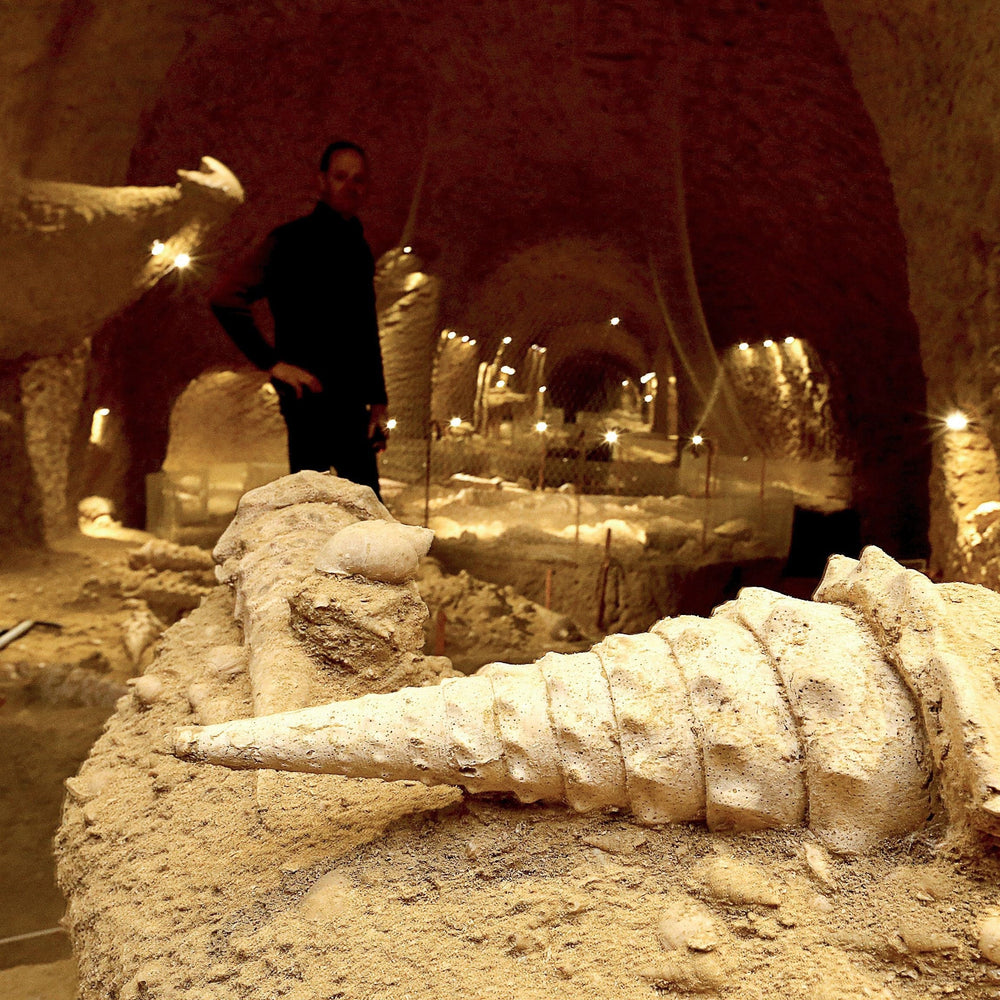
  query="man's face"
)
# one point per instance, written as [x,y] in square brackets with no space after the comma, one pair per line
[345,184]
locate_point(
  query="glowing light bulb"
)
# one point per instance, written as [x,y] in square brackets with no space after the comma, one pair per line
[472,343]
[696,439]
[769,343]
[452,335]
[97,425]
[956,421]
[455,422]
[542,350]
[611,437]
[407,249]
[647,399]
[789,340]
[624,383]
[182,260]
[500,383]
[541,427]
[465,339]
[506,340]
[507,370]
[647,377]
[157,248]
[542,388]
[744,346]
[391,424]
[672,379]
[615,320]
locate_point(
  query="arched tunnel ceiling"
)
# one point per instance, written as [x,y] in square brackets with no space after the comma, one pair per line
[563,130]
[564,293]
[538,134]
[541,123]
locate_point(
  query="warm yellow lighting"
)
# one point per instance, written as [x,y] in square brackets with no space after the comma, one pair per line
[98,424]
[542,388]
[506,340]
[647,399]
[672,379]
[157,248]
[956,421]
[390,424]
[472,343]
[452,335]
[624,383]
[500,383]
[182,260]
[789,340]
[455,422]
[465,339]
[769,343]
[407,249]
[507,370]
[541,427]
[611,437]
[696,439]
[647,377]
[744,346]
[615,320]
[542,350]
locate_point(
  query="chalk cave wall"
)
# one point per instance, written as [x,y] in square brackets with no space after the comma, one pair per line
[110,94]
[927,74]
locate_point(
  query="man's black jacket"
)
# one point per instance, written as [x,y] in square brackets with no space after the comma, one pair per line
[317,275]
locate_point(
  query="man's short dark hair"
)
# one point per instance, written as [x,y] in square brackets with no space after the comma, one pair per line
[335,147]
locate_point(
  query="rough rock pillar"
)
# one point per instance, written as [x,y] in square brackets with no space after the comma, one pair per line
[408,315]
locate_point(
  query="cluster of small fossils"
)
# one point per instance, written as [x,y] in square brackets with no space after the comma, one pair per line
[864,713]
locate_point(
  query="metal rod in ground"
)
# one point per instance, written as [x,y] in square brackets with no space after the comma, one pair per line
[33,934]
[16,632]
[440,627]
[602,582]
[548,588]
[427,471]
[708,493]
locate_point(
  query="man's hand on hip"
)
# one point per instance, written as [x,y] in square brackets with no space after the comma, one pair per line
[376,418]
[298,378]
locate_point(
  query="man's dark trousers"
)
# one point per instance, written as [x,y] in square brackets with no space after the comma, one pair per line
[325,433]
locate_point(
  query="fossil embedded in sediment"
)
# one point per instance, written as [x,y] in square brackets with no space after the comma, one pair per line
[377,550]
[859,713]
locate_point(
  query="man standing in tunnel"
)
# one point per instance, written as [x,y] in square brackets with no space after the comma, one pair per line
[317,274]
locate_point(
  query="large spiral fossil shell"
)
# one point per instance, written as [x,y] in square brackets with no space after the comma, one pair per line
[860,713]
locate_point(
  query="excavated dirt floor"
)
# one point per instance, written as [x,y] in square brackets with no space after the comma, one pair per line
[59,683]
[57,688]
[181,889]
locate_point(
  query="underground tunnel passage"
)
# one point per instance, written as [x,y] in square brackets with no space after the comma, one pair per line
[674,299]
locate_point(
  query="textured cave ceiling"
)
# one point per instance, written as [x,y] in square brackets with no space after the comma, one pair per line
[553,137]
[539,121]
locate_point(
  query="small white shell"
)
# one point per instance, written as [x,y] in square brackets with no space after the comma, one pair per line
[378,550]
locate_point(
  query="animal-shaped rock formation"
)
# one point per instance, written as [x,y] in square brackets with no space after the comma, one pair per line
[76,254]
